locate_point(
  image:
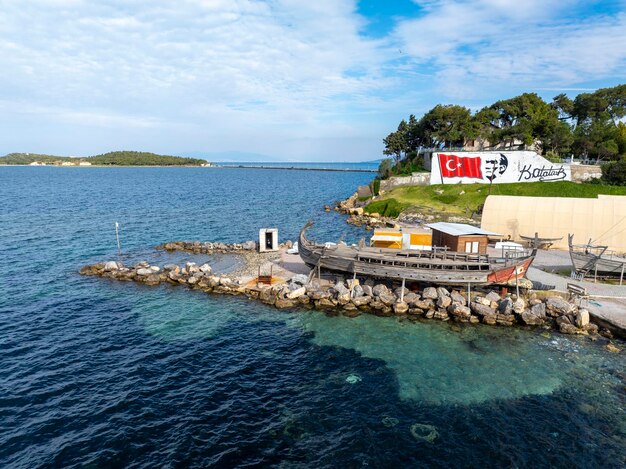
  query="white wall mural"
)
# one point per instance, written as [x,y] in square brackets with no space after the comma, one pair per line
[495,167]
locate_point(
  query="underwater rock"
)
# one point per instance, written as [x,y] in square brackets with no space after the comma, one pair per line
[353,379]
[424,432]
[389,422]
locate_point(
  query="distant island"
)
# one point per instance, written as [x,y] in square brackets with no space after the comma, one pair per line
[114,158]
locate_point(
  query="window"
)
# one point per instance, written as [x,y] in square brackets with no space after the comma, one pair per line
[471,247]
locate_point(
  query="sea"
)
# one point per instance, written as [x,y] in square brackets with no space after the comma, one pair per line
[102,374]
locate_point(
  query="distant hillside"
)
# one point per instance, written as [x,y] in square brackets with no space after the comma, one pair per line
[114,158]
[140,158]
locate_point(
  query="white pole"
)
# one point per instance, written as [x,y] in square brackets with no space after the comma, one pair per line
[469,293]
[621,277]
[402,291]
[117,235]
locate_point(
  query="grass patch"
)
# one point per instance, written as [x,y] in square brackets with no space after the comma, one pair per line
[386,207]
[463,199]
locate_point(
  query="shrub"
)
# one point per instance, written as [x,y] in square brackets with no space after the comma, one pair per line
[614,172]
[387,208]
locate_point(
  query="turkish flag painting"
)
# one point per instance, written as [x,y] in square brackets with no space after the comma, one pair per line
[460,166]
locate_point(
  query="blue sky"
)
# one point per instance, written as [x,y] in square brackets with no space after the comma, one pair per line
[297,80]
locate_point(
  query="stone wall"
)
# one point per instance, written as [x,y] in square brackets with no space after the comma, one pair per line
[583,172]
[415,179]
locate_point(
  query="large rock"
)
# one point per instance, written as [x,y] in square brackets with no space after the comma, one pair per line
[505,306]
[557,306]
[443,302]
[340,289]
[111,266]
[249,246]
[358,291]
[367,289]
[492,296]
[206,269]
[300,279]
[400,307]
[567,328]
[143,271]
[457,297]
[490,319]
[411,298]
[380,290]
[459,311]
[482,310]
[359,301]
[429,293]
[582,318]
[519,306]
[387,298]
[192,267]
[399,291]
[284,303]
[441,292]
[424,305]
[171,268]
[297,293]
[539,310]
[531,318]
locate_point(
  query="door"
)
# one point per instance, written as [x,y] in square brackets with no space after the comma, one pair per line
[268,240]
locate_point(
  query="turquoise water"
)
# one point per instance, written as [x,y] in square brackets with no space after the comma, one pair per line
[106,374]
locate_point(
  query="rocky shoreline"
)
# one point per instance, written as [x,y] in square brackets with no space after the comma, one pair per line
[352,298]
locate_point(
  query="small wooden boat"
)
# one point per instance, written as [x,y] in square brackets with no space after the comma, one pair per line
[439,266]
[537,241]
[595,259]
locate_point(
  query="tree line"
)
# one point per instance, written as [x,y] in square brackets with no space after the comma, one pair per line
[114,158]
[590,126]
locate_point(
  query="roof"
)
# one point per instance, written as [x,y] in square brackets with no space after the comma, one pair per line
[460,229]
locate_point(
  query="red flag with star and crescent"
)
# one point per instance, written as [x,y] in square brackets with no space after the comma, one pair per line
[460,166]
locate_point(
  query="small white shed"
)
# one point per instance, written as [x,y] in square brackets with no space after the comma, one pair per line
[268,239]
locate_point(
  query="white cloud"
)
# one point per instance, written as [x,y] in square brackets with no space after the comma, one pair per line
[478,44]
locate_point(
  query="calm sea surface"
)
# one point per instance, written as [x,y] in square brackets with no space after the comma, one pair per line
[95,373]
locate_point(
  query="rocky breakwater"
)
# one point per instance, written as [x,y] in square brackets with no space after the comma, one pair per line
[351,298]
[197,247]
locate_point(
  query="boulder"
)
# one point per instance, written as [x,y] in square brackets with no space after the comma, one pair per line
[387,298]
[564,319]
[359,301]
[442,292]
[340,289]
[284,303]
[206,269]
[519,306]
[324,303]
[430,293]
[343,299]
[505,306]
[316,294]
[441,315]
[358,291]
[557,306]
[531,319]
[539,309]
[380,290]
[352,283]
[111,266]
[443,302]
[289,244]
[398,291]
[143,271]
[505,319]
[249,246]
[490,319]
[482,309]
[300,279]
[582,318]
[367,290]
[482,300]
[492,296]
[566,328]
[171,268]
[192,280]
[457,297]
[459,311]
[400,307]
[293,294]
[424,305]
[591,328]
[410,298]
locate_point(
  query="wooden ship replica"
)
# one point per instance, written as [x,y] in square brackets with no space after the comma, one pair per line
[438,266]
[593,259]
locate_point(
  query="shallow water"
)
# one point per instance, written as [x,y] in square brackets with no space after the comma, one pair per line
[106,374]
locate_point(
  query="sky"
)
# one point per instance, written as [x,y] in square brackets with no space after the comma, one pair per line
[295,80]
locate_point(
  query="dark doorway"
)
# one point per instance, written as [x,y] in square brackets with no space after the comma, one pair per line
[268,240]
